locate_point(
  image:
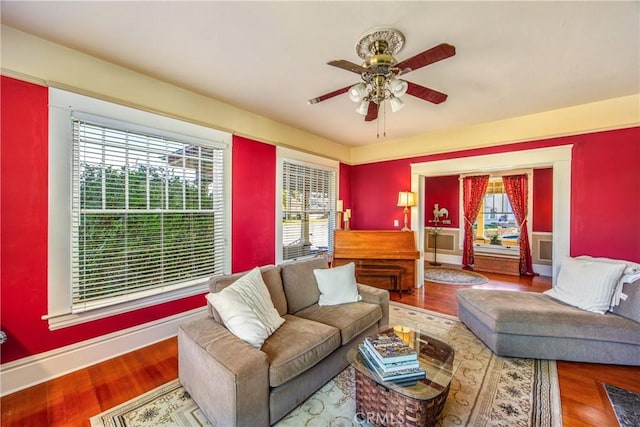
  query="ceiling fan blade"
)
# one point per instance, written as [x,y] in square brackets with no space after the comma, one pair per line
[329,95]
[372,112]
[425,93]
[435,54]
[349,66]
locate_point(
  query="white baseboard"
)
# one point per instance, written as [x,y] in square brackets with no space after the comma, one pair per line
[443,258]
[543,270]
[28,371]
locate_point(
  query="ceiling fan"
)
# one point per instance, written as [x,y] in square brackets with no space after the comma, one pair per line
[380,72]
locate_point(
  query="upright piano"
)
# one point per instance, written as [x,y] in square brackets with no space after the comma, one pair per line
[377,254]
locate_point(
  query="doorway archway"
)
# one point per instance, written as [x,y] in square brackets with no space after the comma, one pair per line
[558,158]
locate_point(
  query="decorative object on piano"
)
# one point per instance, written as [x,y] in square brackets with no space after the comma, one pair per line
[347,218]
[437,214]
[339,212]
[406,199]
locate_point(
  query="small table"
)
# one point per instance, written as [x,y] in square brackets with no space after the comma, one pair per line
[388,403]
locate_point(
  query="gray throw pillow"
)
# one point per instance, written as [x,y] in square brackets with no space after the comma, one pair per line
[630,307]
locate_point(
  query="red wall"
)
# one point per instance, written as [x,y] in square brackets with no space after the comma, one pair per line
[445,191]
[374,194]
[605,184]
[604,207]
[605,195]
[543,200]
[23,258]
[253,204]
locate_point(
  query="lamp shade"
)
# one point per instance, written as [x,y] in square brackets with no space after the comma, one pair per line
[357,92]
[396,104]
[406,198]
[362,108]
[398,87]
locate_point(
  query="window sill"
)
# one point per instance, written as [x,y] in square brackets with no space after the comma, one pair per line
[65,320]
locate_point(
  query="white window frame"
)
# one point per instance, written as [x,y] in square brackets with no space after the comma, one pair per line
[61,106]
[285,154]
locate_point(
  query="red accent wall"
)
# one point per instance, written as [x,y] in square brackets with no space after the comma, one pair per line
[344,186]
[23,240]
[605,183]
[374,194]
[605,195]
[542,200]
[253,204]
[604,208]
[445,191]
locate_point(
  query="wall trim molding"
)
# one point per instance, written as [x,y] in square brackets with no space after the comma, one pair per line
[32,370]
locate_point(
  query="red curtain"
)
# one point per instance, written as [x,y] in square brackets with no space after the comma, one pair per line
[473,191]
[516,188]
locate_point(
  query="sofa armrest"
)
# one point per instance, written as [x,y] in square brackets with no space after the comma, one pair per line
[378,296]
[227,378]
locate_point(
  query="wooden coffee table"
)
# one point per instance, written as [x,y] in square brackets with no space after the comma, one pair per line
[387,403]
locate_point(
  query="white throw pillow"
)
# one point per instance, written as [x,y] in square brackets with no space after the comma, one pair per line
[337,285]
[586,284]
[246,309]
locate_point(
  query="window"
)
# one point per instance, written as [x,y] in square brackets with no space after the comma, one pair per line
[496,216]
[147,212]
[141,205]
[308,199]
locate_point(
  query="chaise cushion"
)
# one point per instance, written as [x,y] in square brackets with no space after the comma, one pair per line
[534,314]
[300,284]
[351,319]
[296,346]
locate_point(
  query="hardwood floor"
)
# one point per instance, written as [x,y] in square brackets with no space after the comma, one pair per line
[72,399]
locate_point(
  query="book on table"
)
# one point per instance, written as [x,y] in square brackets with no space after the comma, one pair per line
[389,348]
[405,376]
[393,366]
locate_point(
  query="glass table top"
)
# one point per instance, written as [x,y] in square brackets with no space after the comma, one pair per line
[434,356]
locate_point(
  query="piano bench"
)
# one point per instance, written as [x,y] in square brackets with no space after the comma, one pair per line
[393,272]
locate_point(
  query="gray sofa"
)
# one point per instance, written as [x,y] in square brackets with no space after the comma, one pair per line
[533,325]
[235,384]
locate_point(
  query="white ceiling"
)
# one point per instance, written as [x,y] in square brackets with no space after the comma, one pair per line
[513,58]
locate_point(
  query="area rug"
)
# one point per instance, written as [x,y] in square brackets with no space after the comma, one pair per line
[451,276]
[487,390]
[626,405]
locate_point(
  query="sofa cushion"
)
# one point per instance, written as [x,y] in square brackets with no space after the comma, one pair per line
[337,285]
[296,346]
[629,305]
[351,319]
[246,309]
[300,284]
[271,278]
[586,284]
[534,314]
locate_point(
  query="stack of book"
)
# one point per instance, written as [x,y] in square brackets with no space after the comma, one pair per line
[391,358]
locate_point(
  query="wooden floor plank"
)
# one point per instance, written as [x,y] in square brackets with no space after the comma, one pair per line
[72,399]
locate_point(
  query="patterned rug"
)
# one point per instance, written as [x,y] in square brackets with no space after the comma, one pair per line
[626,405]
[451,276]
[487,390]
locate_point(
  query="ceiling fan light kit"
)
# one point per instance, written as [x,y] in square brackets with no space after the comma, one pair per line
[380,70]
